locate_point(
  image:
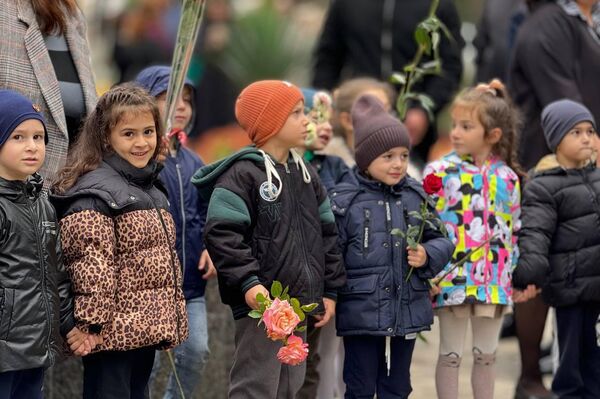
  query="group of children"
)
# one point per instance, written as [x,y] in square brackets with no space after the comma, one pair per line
[104,269]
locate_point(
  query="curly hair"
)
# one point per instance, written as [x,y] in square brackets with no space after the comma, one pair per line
[93,143]
[495,109]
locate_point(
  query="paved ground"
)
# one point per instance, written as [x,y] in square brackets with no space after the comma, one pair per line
[425,357]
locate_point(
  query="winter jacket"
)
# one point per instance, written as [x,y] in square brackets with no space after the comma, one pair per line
[36,303]
[331,169]
[377,299]
[560,235]
[118,241]
[477,203]
[556,56]
[254,238]
[189,214]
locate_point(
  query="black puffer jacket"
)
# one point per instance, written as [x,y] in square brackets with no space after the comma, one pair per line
[254,238]
[35,291]
[560,235]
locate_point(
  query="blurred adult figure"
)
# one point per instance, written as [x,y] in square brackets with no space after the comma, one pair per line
[376,38]
[44,55]
[492,39]
[556,55]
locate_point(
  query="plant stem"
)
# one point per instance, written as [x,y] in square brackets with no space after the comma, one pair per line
[420,237]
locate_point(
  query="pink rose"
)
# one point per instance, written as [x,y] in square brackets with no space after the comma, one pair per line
[294,353]
[280,320]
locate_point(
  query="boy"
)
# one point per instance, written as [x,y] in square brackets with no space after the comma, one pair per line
[560,244]
[36,304]
[189,214]
[269,219]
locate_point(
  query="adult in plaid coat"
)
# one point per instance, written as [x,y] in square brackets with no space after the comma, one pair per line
[44,55]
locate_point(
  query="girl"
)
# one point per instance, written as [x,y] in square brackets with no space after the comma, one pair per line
[480,200]
[381,310]
[118,242]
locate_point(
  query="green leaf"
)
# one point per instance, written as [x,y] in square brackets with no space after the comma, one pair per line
[260,298]
[310,307]
[276,289]
[398,78]
[412,232]
[422,38]
[300,329]
[255,314]
[300,314]
[446,31]
[285,297]
[397,233]
[416,215]
[412,243]
[285,291]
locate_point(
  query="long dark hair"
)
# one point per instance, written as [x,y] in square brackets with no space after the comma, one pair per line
[52,15]
[492,104]
[93,142]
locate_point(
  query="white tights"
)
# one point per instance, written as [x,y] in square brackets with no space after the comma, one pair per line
[453,329]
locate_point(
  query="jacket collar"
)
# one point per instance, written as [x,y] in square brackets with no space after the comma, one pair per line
[375,185]
[142,177]
[15,189]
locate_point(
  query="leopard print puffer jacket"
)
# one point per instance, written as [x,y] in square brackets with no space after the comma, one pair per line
[118,243]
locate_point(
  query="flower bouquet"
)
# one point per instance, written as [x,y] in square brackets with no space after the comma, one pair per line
[281,316]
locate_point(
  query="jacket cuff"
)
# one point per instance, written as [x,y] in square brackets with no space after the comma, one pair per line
[67,324]
[330,294]
[250,282]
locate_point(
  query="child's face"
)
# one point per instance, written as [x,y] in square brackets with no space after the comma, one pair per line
[390,167]
[468,134]
[183,112]
[134,138]
[23,153]
[578,145]
[293,133]
[323,134]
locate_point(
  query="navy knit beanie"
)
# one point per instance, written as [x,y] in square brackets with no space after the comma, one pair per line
[375,131]
[561,116]
[14,110]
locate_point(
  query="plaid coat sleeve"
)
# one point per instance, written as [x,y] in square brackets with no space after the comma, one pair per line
[25,66]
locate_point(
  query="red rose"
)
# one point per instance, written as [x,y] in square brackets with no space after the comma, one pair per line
[432,184]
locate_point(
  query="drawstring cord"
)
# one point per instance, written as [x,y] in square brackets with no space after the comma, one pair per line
[272,172]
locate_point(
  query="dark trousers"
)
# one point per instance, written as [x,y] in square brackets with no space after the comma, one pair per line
[578,373]
[22,384]
[118,374]
[311,380]
[365,369]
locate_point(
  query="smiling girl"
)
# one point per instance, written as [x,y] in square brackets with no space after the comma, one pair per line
[119,244]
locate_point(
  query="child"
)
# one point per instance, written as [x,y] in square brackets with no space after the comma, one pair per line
[36,304]
[118,239]
[189,215]
[560,244]
[269,219]
[379,312]
[332,170]
[479,201]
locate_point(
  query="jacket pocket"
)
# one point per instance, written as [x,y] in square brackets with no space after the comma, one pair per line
[358,304]
[366,231]
[7,299]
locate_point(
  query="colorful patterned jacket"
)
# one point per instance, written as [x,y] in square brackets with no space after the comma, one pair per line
[475,204]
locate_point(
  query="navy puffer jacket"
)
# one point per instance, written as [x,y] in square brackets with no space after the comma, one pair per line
[377,299]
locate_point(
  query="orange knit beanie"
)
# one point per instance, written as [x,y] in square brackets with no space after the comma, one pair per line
[263,107]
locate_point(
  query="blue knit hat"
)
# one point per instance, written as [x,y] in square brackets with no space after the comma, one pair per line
[155,79]
[14,110]
[561,116]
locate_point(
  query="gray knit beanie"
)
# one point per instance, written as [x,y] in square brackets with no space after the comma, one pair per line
[561,116]
[375,131]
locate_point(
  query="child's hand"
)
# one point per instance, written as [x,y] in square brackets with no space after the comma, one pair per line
[417,257]
[251,295]
[528,293]
[434,290]
[329,305]
[206,266]
[80,343]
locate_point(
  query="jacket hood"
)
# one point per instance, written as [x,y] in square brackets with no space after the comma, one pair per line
[206,178]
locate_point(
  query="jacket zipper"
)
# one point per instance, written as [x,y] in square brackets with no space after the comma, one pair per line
[173,267]
[398,297]
[43,270]
[182,209]
[301,240]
